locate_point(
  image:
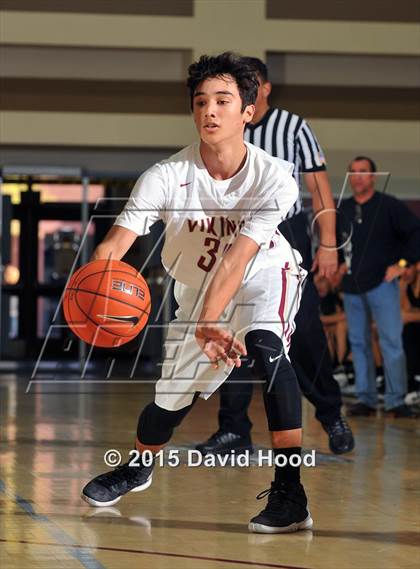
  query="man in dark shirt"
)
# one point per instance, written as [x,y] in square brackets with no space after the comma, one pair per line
[380,236]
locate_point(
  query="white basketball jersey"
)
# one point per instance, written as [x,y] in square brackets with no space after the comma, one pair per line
[204,216]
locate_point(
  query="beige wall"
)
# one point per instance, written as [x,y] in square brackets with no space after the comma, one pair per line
[150,48]
[216,25]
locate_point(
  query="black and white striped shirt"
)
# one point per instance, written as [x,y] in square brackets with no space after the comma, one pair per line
[289,137]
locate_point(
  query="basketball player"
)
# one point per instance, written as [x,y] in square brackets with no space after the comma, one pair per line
[238,282]
[289,137]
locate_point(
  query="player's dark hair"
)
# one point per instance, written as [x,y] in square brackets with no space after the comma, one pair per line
[226,63]
[371,162]
[258,66]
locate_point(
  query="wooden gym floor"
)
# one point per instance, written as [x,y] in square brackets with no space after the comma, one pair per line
[365,505]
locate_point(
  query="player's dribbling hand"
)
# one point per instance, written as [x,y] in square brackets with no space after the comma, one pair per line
[219,345]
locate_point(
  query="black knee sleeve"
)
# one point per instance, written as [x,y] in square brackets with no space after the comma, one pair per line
[156,425]
[282,396]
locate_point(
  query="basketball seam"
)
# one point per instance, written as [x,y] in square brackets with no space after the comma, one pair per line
[113,333]
[79,272]
[112,298]
[102,273]
[79,279]
[110,271]
[66,306]
[113,271]
[82,269]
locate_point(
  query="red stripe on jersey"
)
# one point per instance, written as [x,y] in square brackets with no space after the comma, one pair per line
[283,296]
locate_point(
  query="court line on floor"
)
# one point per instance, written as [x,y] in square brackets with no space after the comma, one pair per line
[160,553]
[63,538]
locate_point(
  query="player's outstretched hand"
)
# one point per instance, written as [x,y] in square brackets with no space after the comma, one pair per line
[219,345]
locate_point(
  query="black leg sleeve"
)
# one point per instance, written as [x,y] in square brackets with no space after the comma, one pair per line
[156,425]
[282,396]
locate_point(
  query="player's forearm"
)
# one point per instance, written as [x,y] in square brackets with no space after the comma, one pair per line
[221,290]
[117,242]
[228,278]
[323,206]
[106,251]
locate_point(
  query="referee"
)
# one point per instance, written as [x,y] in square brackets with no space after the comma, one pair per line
[288,136]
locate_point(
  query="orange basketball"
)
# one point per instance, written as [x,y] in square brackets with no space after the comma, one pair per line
[106,303]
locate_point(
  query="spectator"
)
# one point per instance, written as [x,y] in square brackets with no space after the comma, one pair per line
[384,237]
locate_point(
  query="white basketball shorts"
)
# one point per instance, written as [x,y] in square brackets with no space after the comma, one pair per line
[268,301]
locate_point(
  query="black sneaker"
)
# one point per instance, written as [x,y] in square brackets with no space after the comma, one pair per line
[222,443]
[107,489]
[402,412]
[340,436]
[360,410]
[286,510]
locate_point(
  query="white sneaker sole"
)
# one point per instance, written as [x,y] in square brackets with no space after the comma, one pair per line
[97,504]
[260,528]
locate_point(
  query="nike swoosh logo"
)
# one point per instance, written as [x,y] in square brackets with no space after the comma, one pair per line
[126,319]
[186,184]
[271,360]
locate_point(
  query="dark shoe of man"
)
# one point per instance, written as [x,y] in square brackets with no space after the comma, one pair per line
[107,489]
[360,410]
[402,412]
[286,510]
[340,437]
[222,443]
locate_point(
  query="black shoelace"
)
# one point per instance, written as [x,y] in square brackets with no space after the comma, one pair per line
[279,494]
[276,490]
[118,475]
